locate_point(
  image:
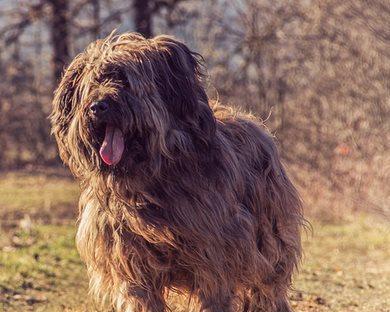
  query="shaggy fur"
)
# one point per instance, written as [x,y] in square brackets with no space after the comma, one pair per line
[199,202]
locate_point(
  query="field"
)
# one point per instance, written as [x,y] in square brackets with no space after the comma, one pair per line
[346,266]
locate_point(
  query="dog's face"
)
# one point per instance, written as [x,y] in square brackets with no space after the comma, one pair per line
[128,100]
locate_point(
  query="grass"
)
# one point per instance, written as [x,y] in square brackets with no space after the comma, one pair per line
[43,273]
[346,265]
[47,196]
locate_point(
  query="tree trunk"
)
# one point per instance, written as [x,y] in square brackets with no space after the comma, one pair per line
[143,17]
[59,33]
[96,18]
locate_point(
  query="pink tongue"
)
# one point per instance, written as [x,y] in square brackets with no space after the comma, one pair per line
[112,148]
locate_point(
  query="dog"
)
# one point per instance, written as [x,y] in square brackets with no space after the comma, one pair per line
[179,193]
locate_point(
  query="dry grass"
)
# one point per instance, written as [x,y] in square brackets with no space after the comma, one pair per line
[48,196]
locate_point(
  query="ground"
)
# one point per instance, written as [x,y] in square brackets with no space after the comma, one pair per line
[346,265]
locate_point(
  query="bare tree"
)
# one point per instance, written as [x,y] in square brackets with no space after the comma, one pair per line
[143,17]
[96,18]
[145,11]
[59,31]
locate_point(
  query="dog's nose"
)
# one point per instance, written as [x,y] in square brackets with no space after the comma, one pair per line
[99,108]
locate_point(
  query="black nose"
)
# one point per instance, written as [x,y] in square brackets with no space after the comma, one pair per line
[99,108]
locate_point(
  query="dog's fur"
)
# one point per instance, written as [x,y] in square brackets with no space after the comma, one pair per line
[199,203]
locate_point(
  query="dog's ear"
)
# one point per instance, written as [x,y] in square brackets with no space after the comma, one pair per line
[63,106]
[69,92]
[67,98]
[179,83]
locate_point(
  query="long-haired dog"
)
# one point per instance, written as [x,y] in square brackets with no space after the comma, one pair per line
[177,194]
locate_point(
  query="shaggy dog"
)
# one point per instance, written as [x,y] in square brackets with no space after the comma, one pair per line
[177,194]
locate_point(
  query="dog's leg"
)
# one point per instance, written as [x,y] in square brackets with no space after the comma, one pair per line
[257,301]
[215,303]
[282,305]
[147,301]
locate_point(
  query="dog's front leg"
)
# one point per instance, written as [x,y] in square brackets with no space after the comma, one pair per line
[146,300]
[215,302]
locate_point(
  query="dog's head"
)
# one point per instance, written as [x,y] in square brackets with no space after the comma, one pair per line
[127,100]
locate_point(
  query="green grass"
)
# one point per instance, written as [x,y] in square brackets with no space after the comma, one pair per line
[43,273]
[346,266]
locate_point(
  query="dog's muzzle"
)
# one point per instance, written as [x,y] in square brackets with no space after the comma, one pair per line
[99,109]
[112,147]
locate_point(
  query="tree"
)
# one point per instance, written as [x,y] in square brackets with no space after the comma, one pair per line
[59,32]
[58,21]
[143,17]
[146,10]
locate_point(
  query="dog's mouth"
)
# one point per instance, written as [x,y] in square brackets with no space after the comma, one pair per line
[112,147]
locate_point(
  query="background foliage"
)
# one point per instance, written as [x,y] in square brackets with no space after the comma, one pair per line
[317,70]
